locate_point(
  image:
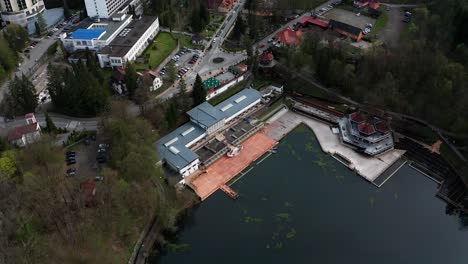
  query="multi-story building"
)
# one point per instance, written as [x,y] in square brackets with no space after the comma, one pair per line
[20,11]
[106,8]
[129,43]
[175,148]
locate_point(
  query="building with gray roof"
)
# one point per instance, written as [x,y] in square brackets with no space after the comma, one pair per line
[205,119]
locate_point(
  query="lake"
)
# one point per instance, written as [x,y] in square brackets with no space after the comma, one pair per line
[302,206]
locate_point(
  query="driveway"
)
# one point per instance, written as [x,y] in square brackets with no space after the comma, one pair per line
[390,34]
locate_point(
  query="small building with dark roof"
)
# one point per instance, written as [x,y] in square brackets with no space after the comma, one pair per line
[26,134]
[346,30]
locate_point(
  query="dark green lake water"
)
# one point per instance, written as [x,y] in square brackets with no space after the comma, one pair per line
[302,206]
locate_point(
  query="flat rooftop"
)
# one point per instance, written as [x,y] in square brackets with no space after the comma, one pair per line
[87,34]
[89,25]
[128,37]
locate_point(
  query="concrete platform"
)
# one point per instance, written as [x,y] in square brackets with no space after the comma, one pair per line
[224,169]
[369,168]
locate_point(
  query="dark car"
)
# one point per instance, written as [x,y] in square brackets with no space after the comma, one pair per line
[71,161]
[70,154]
[71,172]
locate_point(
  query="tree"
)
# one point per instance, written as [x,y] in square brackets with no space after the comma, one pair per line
[199,92]
[38,28]
[171,71]
[50,126]
[24,95]
[7,165]
[204,15]
[66,10]
[131,79]
[41,22]
[59,55]
[17,37]
[197,23]
[239,28]
[171,113]
[183,99]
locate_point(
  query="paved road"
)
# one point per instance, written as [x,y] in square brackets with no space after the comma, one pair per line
[28,65]
[390,35]
[205,64]
[61,121]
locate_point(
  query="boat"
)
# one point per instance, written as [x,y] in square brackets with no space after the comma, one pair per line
[234,151]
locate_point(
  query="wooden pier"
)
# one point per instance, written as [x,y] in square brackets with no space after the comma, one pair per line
[230,192]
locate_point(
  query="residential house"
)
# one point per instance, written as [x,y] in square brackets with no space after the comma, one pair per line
[346,30]
[151,79]
[27,134]
[289,37]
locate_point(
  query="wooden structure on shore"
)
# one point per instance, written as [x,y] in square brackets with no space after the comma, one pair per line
[230,192]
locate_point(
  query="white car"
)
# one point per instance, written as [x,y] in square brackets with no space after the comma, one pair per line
[358,14]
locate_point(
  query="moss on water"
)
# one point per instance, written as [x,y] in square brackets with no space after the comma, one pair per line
[177,247]
[256,220]
[283,216]
[291,234]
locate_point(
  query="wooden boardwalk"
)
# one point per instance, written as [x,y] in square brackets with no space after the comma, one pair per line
[230,192]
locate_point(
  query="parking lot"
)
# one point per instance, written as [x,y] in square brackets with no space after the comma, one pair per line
[184,61]
[349,17]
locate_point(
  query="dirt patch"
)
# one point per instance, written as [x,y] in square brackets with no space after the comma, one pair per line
[390,34]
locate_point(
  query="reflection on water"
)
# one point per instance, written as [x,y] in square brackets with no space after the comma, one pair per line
[302,206]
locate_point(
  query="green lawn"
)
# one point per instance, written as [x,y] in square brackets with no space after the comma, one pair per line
[162,45]
[216,21]
[185,41]
[380,23]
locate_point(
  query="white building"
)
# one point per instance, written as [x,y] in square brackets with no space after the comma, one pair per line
[205,119]
[27,134]
[106,8]
[20,11]
[151,79]
[129,43]
[96,35]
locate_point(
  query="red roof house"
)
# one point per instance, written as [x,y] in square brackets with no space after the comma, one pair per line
[357,117]
[23,135]
[289,37]
[305,21]
[266,57]
[366,129]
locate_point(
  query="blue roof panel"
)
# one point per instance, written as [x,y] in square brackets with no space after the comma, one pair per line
[88,34]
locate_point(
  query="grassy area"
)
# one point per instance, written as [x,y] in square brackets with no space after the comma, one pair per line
[162,45]
[215,22]
[230,92]
[380,23]
[186,41]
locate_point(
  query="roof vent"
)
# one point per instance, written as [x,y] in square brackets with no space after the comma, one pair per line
[226,107]
[240,99]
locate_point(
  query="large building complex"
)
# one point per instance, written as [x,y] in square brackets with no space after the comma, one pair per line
[96,35]
[129,43]
[366,133]
[106,8]
[20,11]
[205,119]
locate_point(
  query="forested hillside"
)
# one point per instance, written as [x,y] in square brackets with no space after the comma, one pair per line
[427,76]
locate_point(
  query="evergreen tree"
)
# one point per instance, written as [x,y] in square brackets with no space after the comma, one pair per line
[131,79]
[38,28]
[59,55]
[204,15]
[50,126]
[239,28]
[23,94]
[171,71]
[199,92]
[182,96]
[171,114]
[66,10]
[197,23]
[17,37]
[41,21]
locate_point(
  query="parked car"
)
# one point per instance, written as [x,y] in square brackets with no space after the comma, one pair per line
[71,162]
[98,178]
[358,14]
[71,172]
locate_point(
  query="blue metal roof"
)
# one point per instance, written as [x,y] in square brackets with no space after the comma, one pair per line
[206,114]
[172,147]
[238,102]
[87,34]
